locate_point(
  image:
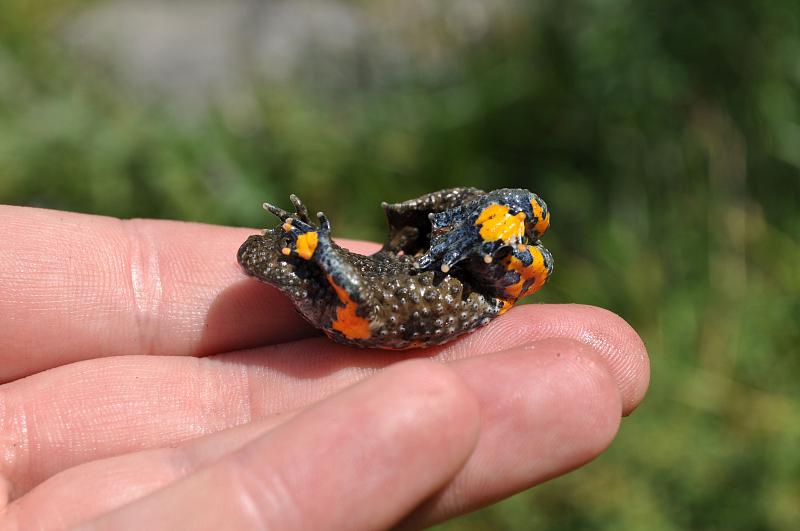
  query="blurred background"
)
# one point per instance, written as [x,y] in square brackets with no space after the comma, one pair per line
[664,135]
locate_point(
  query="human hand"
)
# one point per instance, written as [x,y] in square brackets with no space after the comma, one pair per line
[149,384]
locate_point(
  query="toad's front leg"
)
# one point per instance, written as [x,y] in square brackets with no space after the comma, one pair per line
[351,318]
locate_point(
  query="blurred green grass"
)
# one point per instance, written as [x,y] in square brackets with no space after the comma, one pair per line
[664,135]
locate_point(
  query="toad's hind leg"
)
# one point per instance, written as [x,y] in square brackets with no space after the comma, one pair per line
[517,274]
[409,222]
[352,315]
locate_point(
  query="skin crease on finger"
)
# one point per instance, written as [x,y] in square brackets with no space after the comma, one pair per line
[550,407]
[215,393]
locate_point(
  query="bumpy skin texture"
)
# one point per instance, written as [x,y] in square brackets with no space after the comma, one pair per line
[454,259]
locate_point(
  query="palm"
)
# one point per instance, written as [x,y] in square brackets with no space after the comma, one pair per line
[120,422]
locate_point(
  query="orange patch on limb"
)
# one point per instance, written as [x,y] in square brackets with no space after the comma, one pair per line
[347,322]
[539,271]
[497,224]
[536,271]
[506,306]
[542,222]
[307,244]
[513,263]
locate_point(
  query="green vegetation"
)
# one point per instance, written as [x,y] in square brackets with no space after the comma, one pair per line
[664,135]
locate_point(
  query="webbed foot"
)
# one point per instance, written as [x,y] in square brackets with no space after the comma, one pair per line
[302,237]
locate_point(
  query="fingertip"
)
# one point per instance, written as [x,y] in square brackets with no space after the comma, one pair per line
[594,395]
[617,343]
[443,397]
[572,377]
[623,349]
[548,407]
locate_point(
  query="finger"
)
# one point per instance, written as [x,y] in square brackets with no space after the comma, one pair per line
[361,460]
[607,333]
[117,405]
[106,484]
[551,407]
[75,286]
[545,409]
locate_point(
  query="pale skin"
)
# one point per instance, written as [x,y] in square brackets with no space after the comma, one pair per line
[148,384]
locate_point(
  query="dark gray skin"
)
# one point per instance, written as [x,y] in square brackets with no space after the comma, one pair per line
[431,281]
